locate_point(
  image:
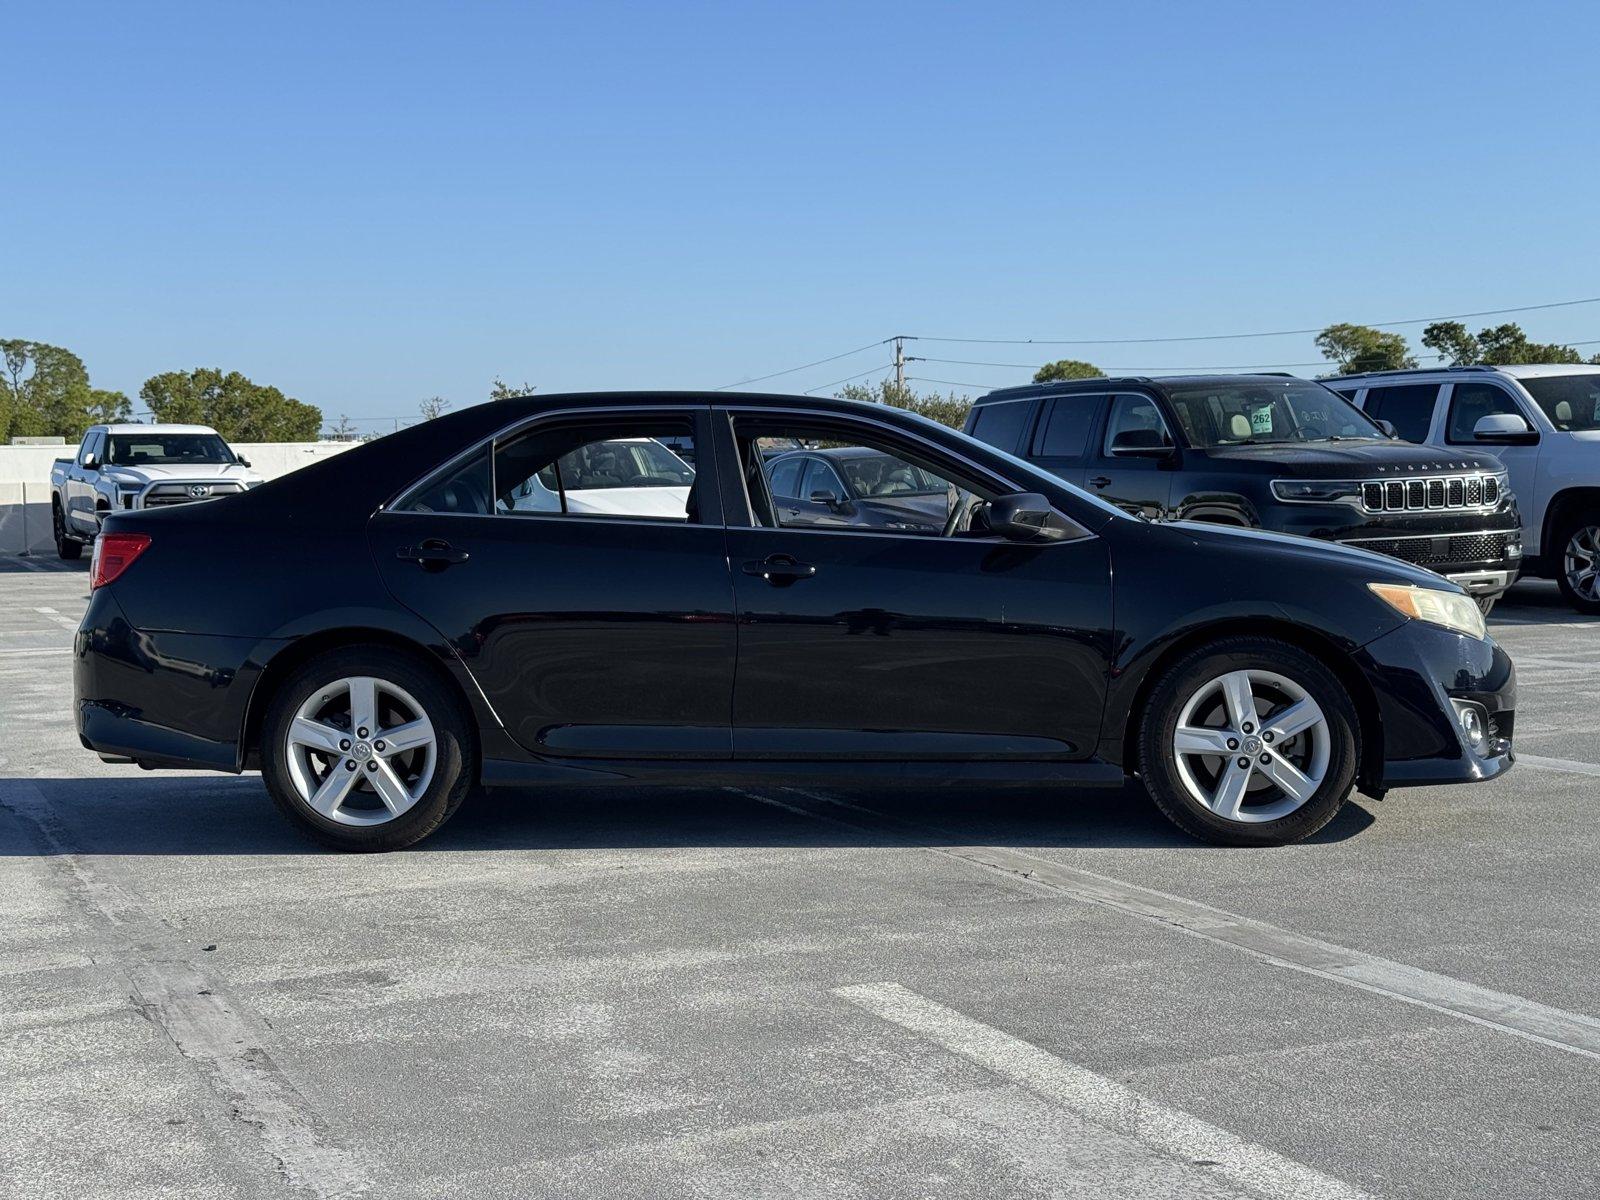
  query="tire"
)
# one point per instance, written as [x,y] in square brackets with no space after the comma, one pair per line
[425,783]
[1577,535]
[1319,761]
[67,546]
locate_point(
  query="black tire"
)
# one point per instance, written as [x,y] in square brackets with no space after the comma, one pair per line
[1189,675]
[455,748]
[1564,530]
[67,546]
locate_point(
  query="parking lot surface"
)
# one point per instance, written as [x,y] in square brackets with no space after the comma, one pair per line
[765,991]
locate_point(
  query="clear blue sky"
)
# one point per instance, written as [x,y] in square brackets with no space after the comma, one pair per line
[367,204]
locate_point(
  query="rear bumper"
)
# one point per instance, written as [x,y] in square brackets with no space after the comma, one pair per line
[161,699]
[1425,678]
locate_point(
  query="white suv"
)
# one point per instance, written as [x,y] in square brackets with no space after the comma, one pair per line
[1542,421]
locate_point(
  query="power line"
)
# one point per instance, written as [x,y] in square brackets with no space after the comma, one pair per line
[1224,337]
[848,378]
[804,366]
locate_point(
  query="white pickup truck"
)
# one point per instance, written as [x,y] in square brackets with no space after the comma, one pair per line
[1542,421]
[139,466]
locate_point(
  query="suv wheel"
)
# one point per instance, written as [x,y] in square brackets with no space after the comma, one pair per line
[67,546]
[364,749]
[1578,562]
[1249,742]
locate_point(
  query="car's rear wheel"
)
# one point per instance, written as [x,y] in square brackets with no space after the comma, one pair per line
[366,749]
[1249,742]
[67,546]
[1578,561]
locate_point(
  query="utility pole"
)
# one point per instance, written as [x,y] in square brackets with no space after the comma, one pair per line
[900,340]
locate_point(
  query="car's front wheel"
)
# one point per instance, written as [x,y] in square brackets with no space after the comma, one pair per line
[1578,564]
[366,749]
[1249,742]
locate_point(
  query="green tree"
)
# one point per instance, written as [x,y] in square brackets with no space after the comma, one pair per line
[1067,368]
[107,408]
[241,411]
[45,391]
[948,410]
[501,390]
[1451,341]
[1358,348]
[1500,346]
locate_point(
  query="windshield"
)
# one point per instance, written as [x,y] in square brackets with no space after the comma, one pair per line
[884,475]
[1256,411]
[618,464]
[1570,401]
[166,449]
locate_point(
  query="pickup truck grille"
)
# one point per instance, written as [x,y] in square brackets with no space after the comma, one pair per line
[1439,550]
[162,494]
[1420,495]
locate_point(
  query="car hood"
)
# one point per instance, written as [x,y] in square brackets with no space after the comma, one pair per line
[1353,460]
[1303,551]
[182,473]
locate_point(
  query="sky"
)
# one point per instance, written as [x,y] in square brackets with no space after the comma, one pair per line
[371,204]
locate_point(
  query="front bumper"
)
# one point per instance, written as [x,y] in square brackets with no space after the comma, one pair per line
[1417,671]
[1483,561]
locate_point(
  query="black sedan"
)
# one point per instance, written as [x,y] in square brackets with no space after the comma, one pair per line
[381,631]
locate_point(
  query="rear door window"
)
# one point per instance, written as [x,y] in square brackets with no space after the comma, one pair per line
[1408,407]
[1003,423]
[1064,431]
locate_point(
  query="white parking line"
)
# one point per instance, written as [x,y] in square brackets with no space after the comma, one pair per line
[52,614]
[1576,1033]
[1256,1169]
[1568,766]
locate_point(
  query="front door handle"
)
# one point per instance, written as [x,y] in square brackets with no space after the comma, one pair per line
[1100,481]
[433,554]
[780,570]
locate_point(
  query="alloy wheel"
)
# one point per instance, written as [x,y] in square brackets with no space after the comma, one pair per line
[1251,746]
[361,751]
[1581,562]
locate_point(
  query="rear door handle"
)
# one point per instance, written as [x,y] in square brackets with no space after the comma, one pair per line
[1100,481]
[433,554]
[780,570]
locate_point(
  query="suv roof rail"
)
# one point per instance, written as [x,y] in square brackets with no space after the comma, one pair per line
[1414,371]
[1032,389]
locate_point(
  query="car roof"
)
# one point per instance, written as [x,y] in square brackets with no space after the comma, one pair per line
[1423,374]
[1112,382]
[135,427]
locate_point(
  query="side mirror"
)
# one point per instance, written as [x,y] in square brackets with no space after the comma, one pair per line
[1387,427]
[1504,429]
[1141,443]
[91,463]
[1026,517]
[832,501]
[241,460]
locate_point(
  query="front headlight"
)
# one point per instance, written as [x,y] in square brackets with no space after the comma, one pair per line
[1317,491]
[1450,609]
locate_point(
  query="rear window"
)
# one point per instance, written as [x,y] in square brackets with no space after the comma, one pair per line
[1002,423]
[1409,408]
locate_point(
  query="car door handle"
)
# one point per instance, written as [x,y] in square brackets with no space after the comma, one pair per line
[780,570]
[434,554]
[1100,481]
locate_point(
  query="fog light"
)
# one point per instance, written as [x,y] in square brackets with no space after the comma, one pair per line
[1514,549]
[1474,722]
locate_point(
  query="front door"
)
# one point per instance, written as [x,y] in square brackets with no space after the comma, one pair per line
[870,643]
[1119,470]
[507,565]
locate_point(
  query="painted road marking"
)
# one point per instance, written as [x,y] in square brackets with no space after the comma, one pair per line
[52,614]
[1576,1033]
[1105,1102]
[1568,766]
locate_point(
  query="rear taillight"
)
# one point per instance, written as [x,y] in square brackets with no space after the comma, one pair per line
[113,554]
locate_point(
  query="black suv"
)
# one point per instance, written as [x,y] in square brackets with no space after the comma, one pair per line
[1267,451]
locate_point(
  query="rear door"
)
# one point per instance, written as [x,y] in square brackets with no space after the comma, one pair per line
[1062,436]
[598,635]
[1409,407]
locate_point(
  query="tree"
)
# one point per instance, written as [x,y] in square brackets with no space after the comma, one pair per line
[1067,368]
[238,409]
[1500,346]
[344,431]
[1358,348]
[948,410]
[501,390]
[107,408]
[433,406]
[1451,341]
[45,391]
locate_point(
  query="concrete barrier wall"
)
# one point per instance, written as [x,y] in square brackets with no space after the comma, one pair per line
[25,484]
